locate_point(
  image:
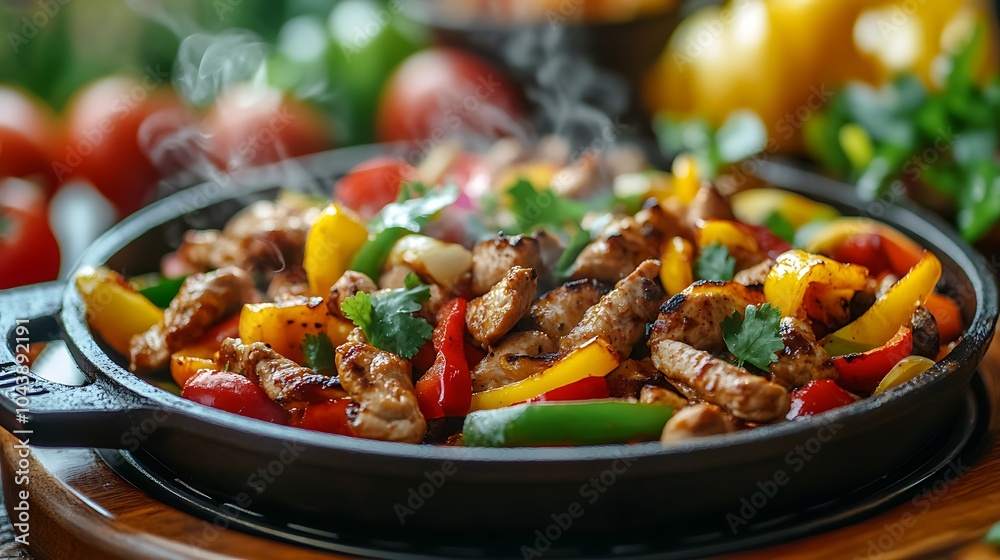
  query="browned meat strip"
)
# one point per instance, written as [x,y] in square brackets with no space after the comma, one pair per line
[288,284]
[285,382]
[579,178]
[621,315]
[382,386]
[628,379]
[708,204]
[623,245]
[747,396]
[348,285]
[493,258]
[802,360]
[699,420]
[264,235]
[561,309]
[654,394]
[695,315]
[755,275]
[492,315]
[517,356]
[926,338]
[203,300]
[148,351]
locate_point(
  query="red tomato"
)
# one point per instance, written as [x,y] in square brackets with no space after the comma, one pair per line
[863,372]
[103,141]
[818,396]
[29,252]
[331,417]
[234,393]
[372,184]
[865,249]
[250,126]
[438,92]
[28,139]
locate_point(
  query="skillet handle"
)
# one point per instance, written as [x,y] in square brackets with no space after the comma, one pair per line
[41,412]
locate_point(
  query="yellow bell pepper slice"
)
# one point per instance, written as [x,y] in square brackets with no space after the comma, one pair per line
[905,370]
[687,178]
[115,311]
[877,325]
[835,232]
[334,239]
[596,358]
[726,233]
[284,325]
[184,367]
[755,206]
[795,270]
[676,272]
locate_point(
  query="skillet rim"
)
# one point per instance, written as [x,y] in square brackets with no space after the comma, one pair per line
[938,236]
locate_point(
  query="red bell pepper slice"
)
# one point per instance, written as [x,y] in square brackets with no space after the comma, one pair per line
[865,249]
[446,388]
[862,372]
[588,388]
[818,396]
[768,241]
[331,417]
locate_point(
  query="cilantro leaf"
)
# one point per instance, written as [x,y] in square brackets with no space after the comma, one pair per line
[387,319]
[536,207]
[714,263]
[993,535]
[576,245]
[413,214]
[318,352]
[755,338]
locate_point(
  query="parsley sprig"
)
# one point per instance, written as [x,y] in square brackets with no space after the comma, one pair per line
[387,319]
[754,338]
[714,263]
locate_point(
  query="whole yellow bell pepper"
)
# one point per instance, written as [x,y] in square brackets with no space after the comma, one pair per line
[596,358]
[115,311]
[284,325]
[677,272]
[333,241]
[795,270]
[877,325]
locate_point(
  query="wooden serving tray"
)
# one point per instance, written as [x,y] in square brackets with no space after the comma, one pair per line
[81,509]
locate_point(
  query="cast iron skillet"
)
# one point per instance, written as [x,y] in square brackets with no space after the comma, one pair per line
[306,475]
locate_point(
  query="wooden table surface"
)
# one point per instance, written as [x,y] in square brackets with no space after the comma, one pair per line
[88,512]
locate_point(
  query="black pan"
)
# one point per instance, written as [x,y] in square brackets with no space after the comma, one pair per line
[303,475]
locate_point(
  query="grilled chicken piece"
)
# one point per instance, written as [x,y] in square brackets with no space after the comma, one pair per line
[699,420]
[348,285]
[621,315]
[755,275]
[382,386]
[561,309]
[623,245]
[926,337]
[745,395]
[490,316]
[203,300]
[288,284]
[285,382]
[578,179]
[654,394]
[708,204]
[517,356]
[628,379]
[802,360]
[492,259]
[695,315]
[265,235]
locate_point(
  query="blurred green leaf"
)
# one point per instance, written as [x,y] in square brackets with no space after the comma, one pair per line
[979,202]
[743,135]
